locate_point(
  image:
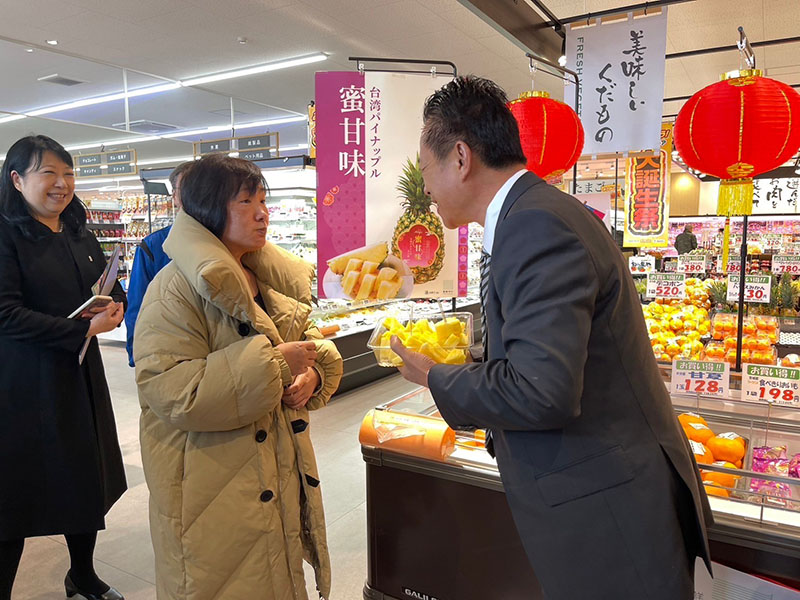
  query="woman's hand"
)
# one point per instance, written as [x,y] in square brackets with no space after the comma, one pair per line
[107,319]
[298,394]
[298,355]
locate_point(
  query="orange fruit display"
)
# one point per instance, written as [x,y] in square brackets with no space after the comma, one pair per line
[727,446]
[697,432]
[689,417]
[713,489]
[727,480]
[702,455]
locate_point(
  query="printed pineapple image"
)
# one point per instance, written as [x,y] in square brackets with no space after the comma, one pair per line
[418,236]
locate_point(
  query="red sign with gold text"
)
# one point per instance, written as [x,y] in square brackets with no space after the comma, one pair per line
[647,196]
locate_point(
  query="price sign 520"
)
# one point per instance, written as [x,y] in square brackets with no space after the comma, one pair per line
[666,285]
[668,291]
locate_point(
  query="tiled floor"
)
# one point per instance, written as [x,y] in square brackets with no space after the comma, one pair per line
[124,556]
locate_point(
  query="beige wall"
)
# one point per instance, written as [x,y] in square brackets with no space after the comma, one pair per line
[684,195]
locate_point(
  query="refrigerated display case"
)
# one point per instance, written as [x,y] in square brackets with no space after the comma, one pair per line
[438,525]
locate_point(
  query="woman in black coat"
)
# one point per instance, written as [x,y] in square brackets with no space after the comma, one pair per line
[60,462]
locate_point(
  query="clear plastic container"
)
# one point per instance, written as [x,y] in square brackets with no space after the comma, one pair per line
[430,336]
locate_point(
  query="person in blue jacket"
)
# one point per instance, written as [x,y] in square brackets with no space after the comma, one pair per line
[150,258]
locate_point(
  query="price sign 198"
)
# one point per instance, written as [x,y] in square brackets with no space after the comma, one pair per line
[775,394]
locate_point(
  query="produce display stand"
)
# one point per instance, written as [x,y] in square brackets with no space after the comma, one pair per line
[439,527]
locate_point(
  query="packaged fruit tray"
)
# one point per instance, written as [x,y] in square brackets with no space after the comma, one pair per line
[444,338]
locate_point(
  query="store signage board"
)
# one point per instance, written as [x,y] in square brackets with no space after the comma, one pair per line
[366,136]
[89,159]
[90,172]
[639,265]
[773,385]
[646,203]
[255,155]
[704,378]
[692,264]
[254,142]
[102,164]
[666,286]
[786,263]
[215,146]
[120,157]
[621,66]
[121,169]
[757,288]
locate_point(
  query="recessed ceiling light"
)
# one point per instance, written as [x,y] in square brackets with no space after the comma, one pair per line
[241,39]
[28,49]
[52,42]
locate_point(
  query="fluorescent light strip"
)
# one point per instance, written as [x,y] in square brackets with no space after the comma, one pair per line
[10,118]
[157,89]
[189,132]
[284,64]
[146,91]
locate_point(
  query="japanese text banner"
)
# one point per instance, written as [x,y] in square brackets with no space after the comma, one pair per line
[647,196]
[378,235]
[621,71]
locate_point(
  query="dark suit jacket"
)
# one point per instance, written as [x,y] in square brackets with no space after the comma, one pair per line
[597,472]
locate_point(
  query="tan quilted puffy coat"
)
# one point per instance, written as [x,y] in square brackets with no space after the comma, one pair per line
[233,512]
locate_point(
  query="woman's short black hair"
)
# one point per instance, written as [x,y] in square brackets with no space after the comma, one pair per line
[26,155]
[473,110]
[211,183]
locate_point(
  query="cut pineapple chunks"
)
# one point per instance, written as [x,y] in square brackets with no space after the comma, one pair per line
[354,267]
[445,342]
[376,253]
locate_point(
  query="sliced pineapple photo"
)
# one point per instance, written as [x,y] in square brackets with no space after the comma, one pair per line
[368,273]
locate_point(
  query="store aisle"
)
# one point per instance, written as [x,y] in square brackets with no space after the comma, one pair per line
[124,556]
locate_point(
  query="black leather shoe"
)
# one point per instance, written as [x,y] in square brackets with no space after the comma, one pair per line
[73,591]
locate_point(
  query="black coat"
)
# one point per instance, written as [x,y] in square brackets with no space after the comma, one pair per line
[598,475]
[60,461]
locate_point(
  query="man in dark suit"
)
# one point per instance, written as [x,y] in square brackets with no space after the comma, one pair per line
[601,483]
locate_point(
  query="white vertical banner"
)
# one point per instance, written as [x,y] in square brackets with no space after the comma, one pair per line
[621,71]
[393,127]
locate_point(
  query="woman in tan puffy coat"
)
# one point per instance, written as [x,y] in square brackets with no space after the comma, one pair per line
[227,372]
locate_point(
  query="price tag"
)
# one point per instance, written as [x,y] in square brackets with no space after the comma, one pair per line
[670,266]
[667,286]
[692,264]
[703,378]
[641,264]
[757,288]
[771,241]
[774,385]
[786,263]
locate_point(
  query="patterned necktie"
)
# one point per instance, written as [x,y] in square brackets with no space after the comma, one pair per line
[485,262]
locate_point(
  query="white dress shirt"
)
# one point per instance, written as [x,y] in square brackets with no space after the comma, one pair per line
[493,210]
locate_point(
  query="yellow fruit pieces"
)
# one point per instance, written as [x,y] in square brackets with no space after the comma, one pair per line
[363,277]
[446,342]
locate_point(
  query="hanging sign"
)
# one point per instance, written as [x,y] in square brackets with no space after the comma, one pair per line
[776,196]
[778,385]
[757,288]
[620,66]
[669,286]
[647,196]
[312,130]
[378,235]
[102,164]
[702,378]
[251,147]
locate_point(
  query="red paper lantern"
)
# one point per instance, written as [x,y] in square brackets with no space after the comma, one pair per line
[550,131]
[736,129]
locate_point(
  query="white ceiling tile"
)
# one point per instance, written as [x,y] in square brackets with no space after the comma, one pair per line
[39,13]
[396,20]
